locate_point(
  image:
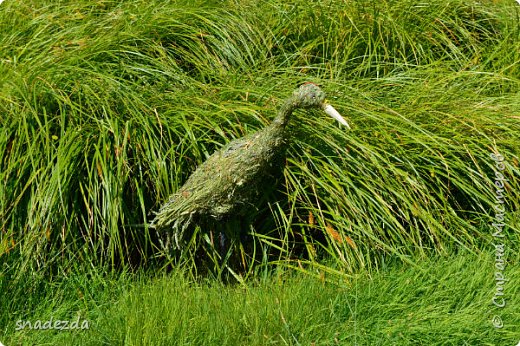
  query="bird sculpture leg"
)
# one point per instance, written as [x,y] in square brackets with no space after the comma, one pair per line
[222,244]
[227,243]
[211,237]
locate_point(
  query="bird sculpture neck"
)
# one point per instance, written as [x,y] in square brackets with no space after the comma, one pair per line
[285,112]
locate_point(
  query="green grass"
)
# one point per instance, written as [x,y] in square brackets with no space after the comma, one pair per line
[441,302]
[108,106]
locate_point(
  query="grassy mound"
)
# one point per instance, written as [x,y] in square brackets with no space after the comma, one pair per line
[107,107]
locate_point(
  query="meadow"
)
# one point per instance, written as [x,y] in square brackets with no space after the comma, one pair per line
[378,235]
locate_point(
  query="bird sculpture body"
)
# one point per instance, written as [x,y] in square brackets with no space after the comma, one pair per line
[230,182]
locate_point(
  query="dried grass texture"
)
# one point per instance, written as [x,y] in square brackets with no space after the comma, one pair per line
[228,183]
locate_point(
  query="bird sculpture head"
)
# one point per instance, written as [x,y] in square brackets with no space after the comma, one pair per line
[309,95]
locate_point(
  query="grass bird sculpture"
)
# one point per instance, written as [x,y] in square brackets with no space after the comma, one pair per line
[230,182]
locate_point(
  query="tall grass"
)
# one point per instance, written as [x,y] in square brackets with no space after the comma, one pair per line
[109,106]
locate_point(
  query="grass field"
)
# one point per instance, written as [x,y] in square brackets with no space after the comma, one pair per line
[377,235]
[441,302]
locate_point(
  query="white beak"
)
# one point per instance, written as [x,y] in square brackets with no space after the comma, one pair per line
[334,113]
